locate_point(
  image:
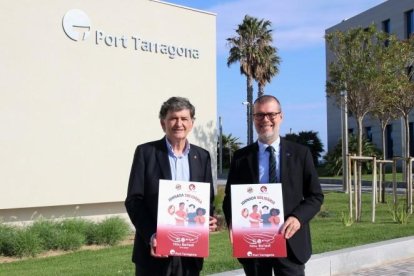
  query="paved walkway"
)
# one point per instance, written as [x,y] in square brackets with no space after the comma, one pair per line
[401,268]
[387,258]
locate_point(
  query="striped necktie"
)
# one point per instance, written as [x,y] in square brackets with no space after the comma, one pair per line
[272,164]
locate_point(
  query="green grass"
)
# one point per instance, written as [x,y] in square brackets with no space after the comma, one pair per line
[328,233]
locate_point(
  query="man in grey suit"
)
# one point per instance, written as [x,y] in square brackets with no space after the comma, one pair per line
[302,193]
[173,158]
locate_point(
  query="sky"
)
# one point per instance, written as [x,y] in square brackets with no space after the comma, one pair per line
[298,34]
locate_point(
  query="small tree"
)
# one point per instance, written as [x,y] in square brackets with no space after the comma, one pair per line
[356,71]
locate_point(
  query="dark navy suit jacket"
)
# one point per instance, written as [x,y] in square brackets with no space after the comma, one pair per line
[149,166]
[302,193]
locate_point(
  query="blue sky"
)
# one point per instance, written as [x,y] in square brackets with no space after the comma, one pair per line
[298,30]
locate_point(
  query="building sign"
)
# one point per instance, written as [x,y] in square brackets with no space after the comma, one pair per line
[77,26]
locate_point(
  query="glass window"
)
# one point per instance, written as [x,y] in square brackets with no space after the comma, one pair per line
[409,23]
[389,142]
[368,133]
[386,26]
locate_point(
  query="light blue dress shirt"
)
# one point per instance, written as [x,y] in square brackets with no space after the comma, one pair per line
[264,161]
[180,168]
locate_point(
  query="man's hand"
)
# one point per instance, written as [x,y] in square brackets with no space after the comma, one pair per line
[290,227]
[213,224]
[153,244]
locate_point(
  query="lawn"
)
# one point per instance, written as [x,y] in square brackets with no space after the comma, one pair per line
[328,233]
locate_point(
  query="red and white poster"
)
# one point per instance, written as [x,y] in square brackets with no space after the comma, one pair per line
[257,218]
[183,218]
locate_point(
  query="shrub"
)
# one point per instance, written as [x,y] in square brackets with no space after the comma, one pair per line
[346,219]
[111,231]
[91,233]
[218,201]
[27,243]
[68,234]
[47,231]
[70,240]
[7,240]
[333,159]
[76,225]
[399,213]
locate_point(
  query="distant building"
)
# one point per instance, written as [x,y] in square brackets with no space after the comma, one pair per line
[395,17]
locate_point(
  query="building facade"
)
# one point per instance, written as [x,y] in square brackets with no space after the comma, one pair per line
[81,86]
[395,17]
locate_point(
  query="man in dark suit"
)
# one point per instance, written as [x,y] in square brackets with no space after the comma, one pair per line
[173,158]
[302,193]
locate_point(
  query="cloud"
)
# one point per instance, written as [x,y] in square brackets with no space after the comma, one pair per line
[297,24]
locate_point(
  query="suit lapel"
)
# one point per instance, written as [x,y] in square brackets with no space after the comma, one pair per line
[193,160]
[253,161]
[285,155]
[162,159]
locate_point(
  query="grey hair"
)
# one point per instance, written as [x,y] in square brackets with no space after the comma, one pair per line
[267,98]
[176,104]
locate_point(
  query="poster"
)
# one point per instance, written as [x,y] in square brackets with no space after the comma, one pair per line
[257,218]
[183,218]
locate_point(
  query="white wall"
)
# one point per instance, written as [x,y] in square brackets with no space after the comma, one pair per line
[72,112]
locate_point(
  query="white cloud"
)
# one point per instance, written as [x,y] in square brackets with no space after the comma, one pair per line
[296,23]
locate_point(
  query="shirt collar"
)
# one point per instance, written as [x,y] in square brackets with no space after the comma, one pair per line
[275,144]
[171,152]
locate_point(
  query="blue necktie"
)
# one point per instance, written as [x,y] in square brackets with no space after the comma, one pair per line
[272,164]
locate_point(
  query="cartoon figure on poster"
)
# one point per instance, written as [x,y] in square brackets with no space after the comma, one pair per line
[265,216]
[200,219]
[274,219]
[191,214]
[180,215]
[183,219]
[257,220]
[255,217]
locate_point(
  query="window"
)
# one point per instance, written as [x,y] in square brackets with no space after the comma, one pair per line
[409,23]
[368,133]
[386,26]
[389,142]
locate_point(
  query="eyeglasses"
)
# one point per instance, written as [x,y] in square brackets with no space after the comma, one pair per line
[270,115]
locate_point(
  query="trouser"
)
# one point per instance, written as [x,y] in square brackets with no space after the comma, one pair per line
[280,267]
[173,266]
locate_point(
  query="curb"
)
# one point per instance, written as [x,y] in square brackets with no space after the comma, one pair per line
[352,259]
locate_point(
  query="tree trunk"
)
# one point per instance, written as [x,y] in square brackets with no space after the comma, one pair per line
[384,157]
[408,172]
[249,110]
[359,173]
[260,89]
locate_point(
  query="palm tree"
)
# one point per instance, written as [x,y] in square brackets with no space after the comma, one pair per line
[253,35]
[266,68]
[309,139]
[230,145]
